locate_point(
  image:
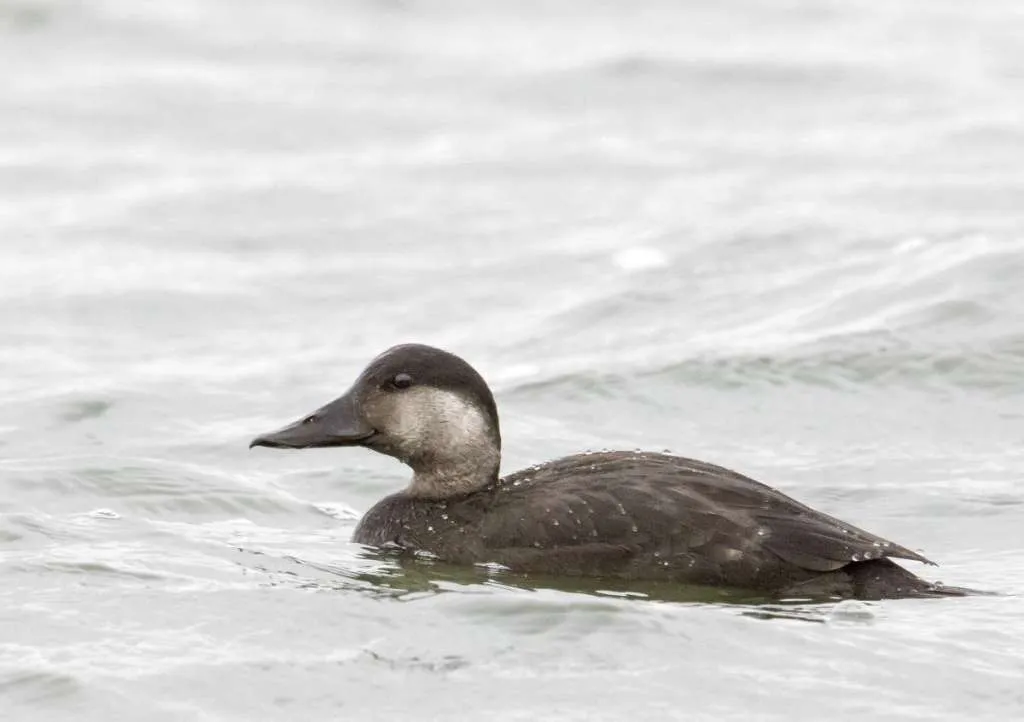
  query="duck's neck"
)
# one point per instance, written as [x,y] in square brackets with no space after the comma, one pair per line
[452,444]
[444,478]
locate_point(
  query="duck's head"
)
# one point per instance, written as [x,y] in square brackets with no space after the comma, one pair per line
[426,407]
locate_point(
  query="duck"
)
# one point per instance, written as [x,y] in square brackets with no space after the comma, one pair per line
[613,515]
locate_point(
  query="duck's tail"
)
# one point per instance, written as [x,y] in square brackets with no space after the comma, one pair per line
[884,579]
[877,579]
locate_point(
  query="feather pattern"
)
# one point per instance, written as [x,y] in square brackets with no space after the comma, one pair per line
[634,515]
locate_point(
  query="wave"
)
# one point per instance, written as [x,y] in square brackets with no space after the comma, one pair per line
[916,312]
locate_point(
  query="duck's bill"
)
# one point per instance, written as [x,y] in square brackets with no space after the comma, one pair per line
[337,424]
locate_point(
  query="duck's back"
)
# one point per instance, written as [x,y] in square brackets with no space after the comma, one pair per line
[637,516]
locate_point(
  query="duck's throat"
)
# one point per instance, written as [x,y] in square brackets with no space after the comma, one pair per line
[438,479]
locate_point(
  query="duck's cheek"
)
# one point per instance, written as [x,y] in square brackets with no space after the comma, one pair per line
[378,413]
[404,420]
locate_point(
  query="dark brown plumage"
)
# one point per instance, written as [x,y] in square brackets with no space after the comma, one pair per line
[649,516]
[613,515]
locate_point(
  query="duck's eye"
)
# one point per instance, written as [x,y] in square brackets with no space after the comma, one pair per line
[401,381]
[309,419]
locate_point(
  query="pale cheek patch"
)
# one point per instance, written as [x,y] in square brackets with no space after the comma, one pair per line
[407,423]
[448,441]
[439,422]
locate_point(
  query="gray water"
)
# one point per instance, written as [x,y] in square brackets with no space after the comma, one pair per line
[786,237]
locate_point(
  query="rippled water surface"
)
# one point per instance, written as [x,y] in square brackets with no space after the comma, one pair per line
[786,236]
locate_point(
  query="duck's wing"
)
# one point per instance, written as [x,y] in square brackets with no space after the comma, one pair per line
[819,542]
[794,531]
[616,505]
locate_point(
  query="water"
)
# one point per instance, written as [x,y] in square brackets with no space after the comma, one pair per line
[786,237]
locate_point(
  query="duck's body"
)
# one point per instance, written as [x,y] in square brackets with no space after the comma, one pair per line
[620,515]
[645,516]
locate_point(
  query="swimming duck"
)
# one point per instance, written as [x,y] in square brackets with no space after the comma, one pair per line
[620,515]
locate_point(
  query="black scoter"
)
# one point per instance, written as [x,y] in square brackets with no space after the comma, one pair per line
[615,515]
